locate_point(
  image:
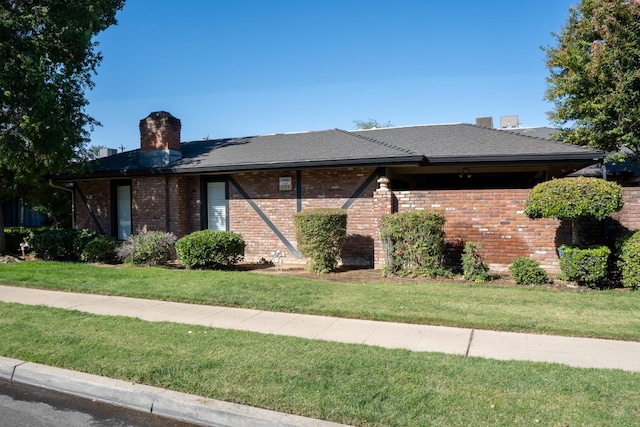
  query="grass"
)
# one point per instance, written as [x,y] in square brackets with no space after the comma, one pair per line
[603,314]
[352,384]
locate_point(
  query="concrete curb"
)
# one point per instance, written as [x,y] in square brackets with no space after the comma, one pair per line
[166,403]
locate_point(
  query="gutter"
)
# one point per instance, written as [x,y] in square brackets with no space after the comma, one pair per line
[73,200]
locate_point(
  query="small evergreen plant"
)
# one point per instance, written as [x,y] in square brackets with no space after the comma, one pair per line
[473,266]
[527,271]
[585,266]
[320,234]
[210,249]
[628,255]
[413,243]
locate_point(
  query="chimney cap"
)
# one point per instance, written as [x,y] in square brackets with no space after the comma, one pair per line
[160,114]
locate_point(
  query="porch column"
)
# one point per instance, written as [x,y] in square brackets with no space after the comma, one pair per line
[382,205]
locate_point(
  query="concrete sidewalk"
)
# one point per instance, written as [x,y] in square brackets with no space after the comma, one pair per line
[577,352]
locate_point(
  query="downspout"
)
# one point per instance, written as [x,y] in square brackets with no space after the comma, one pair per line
[73,201]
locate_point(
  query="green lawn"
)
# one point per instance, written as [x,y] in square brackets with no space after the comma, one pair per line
[352,384]
[604,314]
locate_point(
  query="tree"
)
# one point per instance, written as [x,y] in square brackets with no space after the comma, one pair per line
[594,80]
[371,124]
[47,60]
[573,199]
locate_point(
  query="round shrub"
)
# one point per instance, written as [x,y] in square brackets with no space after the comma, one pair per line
[320,234]
[569,198]
[150,248]
[527,271]
[100,249]
[628,254]
[413,242]
[584,266]
[210,249]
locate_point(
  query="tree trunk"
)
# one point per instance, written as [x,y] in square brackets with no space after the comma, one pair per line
[574,231]
[3,241]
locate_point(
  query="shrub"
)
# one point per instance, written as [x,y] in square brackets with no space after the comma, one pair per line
[473,266]
[100,249]
[55,245]
[527,271]
[150,248]
[80,240]
[413,242]
[628,254]
[584,266]
[573,199]
[14,236]
[210,249]
[320,234]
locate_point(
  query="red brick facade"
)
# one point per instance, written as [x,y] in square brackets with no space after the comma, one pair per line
[493,218]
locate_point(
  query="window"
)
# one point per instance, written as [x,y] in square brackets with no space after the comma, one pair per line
[122,211]
[217,206]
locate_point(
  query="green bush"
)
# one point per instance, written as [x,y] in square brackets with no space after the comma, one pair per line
[55,245]
[210,249]
[14,236]
[413,242]
[527,271]
[473,266]
[81,239]
[569,198]
[628,254]
[584,266]
[100,249]
[320,234]
[150,248]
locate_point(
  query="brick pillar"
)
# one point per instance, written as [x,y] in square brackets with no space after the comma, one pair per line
[382,205]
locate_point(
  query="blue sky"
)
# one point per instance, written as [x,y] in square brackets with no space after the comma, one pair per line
[231,68]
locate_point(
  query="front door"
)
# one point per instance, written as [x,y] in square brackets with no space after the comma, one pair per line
[217,206]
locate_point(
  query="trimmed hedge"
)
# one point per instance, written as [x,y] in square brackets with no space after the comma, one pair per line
[413,243]
[527,271]
[55,245]
[210,249]
[628,254]
[571,198]
[584,266]
[320,234]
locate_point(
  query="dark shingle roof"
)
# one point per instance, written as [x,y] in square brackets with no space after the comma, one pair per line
[411,145]
[456,143]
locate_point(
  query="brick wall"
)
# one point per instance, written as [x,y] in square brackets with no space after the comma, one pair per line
[320,188]
[628,219]
[495,219]
[98,198]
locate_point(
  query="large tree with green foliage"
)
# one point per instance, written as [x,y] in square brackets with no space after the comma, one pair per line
[47,60]
[594,80]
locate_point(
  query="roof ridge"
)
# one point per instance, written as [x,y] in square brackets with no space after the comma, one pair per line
[541,138]
[381,143]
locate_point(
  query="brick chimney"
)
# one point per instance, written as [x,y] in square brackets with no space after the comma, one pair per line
[159,140]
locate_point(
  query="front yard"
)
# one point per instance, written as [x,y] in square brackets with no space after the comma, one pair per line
[352,384]
[609,314]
